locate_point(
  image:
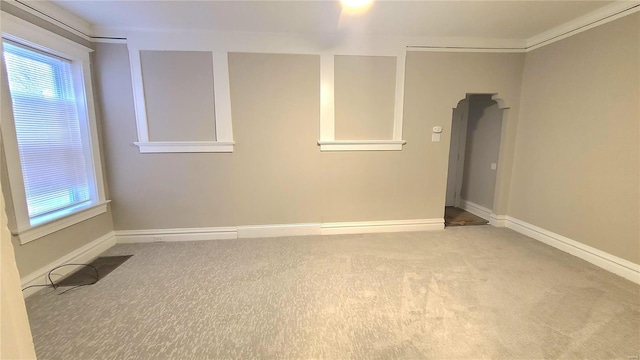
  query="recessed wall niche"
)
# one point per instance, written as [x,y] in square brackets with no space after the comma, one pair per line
[179,96]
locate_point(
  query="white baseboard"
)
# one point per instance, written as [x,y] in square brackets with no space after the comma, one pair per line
[368,227]
[485,213]
[498,220]
[82,255]
[182,234]
[476,209]
[612,263]
[262,231]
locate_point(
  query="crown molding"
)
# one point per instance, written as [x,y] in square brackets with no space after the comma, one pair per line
[311,42]
[109,40]
[48,11]
[56,15]
[457,44]
[595,18]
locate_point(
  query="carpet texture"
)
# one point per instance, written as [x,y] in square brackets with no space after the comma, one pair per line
[462,293]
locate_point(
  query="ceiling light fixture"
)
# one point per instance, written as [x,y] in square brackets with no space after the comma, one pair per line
[358,5]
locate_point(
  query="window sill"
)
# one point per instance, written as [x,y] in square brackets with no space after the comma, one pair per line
[185,147]
[361,145]
[45,229]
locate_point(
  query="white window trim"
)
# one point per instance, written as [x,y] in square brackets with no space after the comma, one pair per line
[81,214]
[184,146]
[222,105]
[16,29]
[361,145]
[327,140]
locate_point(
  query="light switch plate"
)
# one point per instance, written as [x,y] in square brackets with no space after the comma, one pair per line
[494,166]
[435,137]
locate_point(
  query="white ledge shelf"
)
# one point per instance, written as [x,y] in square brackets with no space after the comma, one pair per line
[38,231]
[361,145]
[185,147]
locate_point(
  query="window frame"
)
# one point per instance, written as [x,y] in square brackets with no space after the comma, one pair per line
[39,39]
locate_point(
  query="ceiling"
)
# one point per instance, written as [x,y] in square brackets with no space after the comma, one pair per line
[461,19]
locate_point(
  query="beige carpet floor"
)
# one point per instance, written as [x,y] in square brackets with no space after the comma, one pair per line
[461,293]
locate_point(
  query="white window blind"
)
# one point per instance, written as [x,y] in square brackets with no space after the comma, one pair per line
[48,129]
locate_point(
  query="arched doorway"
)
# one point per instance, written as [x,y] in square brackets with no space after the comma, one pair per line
[476,135]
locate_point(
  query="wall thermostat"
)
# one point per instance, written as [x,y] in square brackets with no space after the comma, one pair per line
[437,129]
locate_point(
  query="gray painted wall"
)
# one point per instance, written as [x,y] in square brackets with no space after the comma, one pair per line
[484,126]
[277,174]
[456,151]
[178,88]
[577,159]
[365,88]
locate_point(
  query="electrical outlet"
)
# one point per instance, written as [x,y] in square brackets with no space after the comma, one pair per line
[157,239]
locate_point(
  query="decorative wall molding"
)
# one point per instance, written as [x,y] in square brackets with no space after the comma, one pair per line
[81,255]
[398,109]
[222,107]
[222,99]
[327,99]
[327,140]
[614,264]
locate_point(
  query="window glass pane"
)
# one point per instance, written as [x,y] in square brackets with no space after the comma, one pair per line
[48,130]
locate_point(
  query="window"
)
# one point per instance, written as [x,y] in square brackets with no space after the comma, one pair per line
[48,131]
[53,160]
